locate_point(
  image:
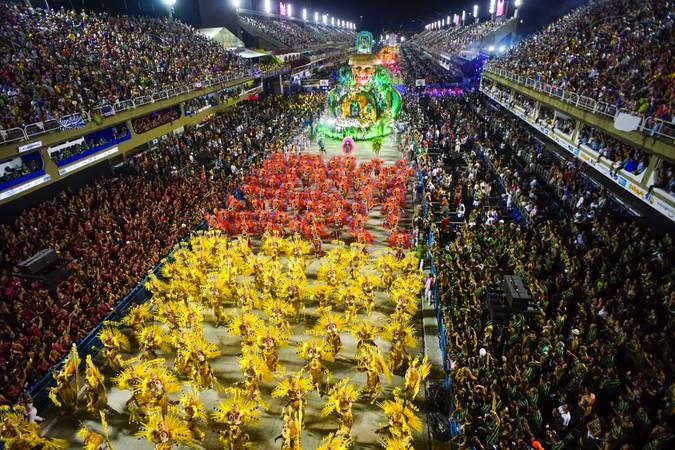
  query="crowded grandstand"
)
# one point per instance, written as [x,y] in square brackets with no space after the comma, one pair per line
[260,226]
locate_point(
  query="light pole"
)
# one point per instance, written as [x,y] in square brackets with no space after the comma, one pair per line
[170,4]
[516,4]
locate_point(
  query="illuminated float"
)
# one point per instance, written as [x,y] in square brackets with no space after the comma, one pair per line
[364,104]
[388,55]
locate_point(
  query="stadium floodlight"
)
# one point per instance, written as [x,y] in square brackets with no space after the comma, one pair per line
[402,38]
[502,48]
[332,21]
[491,48]
[475,11]
[304,13]
[170,4]
[236,4]
[289,10]
[517,3]
[491,10]
[463,16]
[316,16]
[447,20]
[443,22]
[268,6]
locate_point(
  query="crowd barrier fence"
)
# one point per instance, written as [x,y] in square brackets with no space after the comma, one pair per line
[430,241]
[649,125]
[32,130]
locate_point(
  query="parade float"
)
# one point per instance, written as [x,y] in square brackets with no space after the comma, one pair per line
[364,104]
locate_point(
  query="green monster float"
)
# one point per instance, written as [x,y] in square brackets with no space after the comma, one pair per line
[363,105]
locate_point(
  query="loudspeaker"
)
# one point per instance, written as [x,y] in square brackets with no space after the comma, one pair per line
[38,262]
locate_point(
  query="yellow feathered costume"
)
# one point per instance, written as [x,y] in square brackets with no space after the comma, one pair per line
[17,432]
[340,400]
[235,413]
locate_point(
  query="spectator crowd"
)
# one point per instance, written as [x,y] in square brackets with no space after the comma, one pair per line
[616,51]
[118,132]
[590,366]
[60,62]
[118,228]
[295,34]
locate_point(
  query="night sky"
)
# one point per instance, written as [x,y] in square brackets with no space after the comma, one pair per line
[372,15]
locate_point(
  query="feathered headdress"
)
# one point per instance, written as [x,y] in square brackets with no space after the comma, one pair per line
[251,360]
[328,321]
[404,330]
[238,403]
[297,382]
[335,441]
[112,337]
[405,411]
[341,392]
[174,429]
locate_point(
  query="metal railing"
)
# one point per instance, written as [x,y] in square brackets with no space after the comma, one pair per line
[649,125]
[28,132]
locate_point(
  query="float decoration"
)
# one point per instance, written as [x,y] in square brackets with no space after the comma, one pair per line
[364,104]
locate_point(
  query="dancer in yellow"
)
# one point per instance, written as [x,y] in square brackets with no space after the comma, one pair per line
[292,290]
[247,298]
[348,297]
[94,388]
[192,359]
[385,266]
[272,245]
[255,370]
[340,400]
[150,384]
[365,333]
[374,364]
[269,340]
[331,271]
[296,247]
[401,335]
[114,342]
[18,433]
[167,430]
[329,326]
[293,388]
[278,312]
[65,392]
[180,316]
[192,411]
[152,338]
[418,370]
[322,294]
[406,302]
[137,317]
[368,284]
[401,421]
[290,431]
[235,413]
[315,352]
[213,298]
[244,324]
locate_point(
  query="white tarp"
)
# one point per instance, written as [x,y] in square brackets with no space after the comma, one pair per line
[626,122]
[248,53]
